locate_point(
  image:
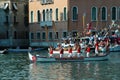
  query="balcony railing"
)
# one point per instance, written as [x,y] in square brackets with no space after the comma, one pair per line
[46,23]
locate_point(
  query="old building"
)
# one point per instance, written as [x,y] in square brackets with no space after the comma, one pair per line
[100,14]
[14,23]
[52,20]
[48,21]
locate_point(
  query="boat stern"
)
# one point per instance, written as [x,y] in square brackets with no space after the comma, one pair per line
[32,58]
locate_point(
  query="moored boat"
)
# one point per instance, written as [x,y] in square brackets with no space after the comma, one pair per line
[115,48]
[34,58]
[3,51]
[24,50]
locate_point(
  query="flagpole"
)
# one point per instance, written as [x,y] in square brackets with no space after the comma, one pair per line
[83,20]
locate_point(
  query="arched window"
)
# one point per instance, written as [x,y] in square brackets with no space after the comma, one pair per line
[38,16]
[56,14]
[15,35]
[47,15]
[94,14]
[50,36]
[43,35]
[43,15]
[32,16]
[114,13]
[74,13]
[104,14]
[119,13]
[65,14]
[50,14]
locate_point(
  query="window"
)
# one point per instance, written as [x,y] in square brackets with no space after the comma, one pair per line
[57,14]
[27,34]
[7,19]
[50,14]
[38,35]
[7,34]
[50,35]
[15,35]
[43,15]
[64,34]
[104,14]
[32,35]
[31,16]
[43,36]
[56,35]
[38,16]
[119,13]
[74,13]
[114,13]
[65,14]
[47,15]
[15,19]
[94,14]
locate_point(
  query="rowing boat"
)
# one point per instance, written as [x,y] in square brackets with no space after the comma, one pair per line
[34,58]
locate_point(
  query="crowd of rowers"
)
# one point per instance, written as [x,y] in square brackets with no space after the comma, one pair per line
[97,47]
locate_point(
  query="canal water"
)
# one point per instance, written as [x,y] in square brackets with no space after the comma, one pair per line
[16,66]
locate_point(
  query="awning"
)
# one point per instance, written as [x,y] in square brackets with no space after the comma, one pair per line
[14,5]
[6,5]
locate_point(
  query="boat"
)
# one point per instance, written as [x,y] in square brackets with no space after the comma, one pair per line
[115,48]
[24,50]
[3,51]
[65,52]
[34,58]
[18,50]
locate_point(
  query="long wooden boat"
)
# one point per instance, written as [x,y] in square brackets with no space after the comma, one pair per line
[65,52]
[33,58]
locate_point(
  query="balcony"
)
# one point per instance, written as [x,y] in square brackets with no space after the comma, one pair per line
[46,23]
[46,2]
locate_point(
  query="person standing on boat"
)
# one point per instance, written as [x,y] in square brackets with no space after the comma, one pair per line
[61,52]
[107,46]
[78,51]
[88,51]
[51,51]
[70,51]
[96,48]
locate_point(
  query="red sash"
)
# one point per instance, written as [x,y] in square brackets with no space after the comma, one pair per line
[78,50]
[51,51]
[88,49]
[70,50]
[61,51]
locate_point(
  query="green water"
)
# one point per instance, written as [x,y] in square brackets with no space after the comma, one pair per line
[16,66]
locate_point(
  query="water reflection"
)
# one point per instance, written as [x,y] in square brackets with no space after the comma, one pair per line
[55,71]
[63,71]
[16,66]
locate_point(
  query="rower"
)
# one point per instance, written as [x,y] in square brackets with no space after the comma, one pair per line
[61,52]
[78,51]
[96,48]
[51,51]
[70,51]
[88,51]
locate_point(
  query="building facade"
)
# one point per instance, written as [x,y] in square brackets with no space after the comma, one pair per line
[100,14]
[52,20]
[47,21]
[14,23]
